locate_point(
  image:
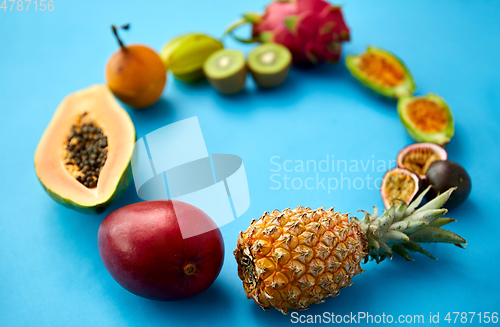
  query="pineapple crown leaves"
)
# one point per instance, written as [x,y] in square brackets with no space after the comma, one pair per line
[400,229]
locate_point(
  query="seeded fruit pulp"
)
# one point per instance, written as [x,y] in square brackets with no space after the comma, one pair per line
[82,159]
[382,72]
[418,157]
[269,64]
[226,70]
[85,151]
[135,74]
[399,184]
[142,247]
[427,119]
[444,174]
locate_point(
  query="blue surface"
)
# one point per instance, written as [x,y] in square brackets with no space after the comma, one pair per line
[50,270]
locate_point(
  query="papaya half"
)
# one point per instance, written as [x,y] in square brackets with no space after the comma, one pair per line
[83,157]
[382,72]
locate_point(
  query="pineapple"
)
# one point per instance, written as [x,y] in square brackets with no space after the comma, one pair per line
[294,258]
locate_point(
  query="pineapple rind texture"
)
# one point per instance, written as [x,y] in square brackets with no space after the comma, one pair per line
[294,258]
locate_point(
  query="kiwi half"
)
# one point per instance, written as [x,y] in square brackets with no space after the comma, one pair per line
[269,64]
[226,70]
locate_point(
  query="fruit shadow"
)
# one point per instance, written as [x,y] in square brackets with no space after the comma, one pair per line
[129,196]
[467,210]
[190,86]
[281,97]
[153,117]
[74,234]
[208,305]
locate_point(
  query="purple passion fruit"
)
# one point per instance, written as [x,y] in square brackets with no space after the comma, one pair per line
[445,174]
[419,156]
[382,72]
[399,184]
[143,248]
[427,119]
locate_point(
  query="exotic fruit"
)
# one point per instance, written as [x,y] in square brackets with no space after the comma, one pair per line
[184,55]
[135,74]
[83,158]
[418,157]
[269,64]
[382,72]
[311,29]
[148,249]
[427,119]
[226,70]
[294,258]
[443,174]
[399,183]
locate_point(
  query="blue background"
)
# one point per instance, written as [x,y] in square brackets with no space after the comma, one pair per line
[50,269]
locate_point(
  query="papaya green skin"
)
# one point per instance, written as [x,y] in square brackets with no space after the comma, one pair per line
[99,208]
[441,138]
[406,88]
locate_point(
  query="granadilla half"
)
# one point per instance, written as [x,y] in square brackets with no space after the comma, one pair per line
[311,29]
[418,157]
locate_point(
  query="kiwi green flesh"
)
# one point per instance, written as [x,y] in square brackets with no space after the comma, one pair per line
[269,58]
[269,64]
[223,64]
[226,70]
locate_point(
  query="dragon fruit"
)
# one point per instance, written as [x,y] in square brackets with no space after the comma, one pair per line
[311,29]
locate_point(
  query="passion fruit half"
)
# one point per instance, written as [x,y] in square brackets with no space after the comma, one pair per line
[418,157]
[427,119]
[399,184]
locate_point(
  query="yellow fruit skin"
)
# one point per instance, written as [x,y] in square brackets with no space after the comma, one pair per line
[185,55]
[294,258]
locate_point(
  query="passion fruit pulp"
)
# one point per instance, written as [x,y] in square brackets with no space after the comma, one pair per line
[445,174]
[399,184]
[419,156]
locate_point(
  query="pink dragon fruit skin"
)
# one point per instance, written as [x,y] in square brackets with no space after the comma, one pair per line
[311,29]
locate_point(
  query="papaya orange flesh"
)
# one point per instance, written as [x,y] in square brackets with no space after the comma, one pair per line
[95,104]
